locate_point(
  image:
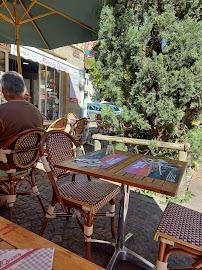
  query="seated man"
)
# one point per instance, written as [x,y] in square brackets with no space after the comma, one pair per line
[17,114]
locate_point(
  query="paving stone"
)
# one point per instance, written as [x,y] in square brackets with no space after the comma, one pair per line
[57,238]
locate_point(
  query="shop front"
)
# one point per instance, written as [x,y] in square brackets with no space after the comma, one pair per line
[54,85]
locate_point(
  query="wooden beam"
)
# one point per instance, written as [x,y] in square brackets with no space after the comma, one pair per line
[6,18]
[37,17]
[66,16]
[26,10]
[160,144]
[4,1]
[35,26]
[17,36]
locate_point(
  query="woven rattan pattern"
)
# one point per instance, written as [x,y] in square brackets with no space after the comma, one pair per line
[59,148]
[182,223]
[26,142]
[96,192]
[80,126]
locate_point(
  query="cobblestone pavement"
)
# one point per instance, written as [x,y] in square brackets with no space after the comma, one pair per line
[143,217]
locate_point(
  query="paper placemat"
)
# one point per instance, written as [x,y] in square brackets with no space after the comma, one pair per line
[24,259]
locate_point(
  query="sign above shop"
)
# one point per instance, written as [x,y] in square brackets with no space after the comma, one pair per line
[46,59]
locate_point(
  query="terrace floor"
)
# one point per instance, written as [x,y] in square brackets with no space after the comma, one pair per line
[143,217]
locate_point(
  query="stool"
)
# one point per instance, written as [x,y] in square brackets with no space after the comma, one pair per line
[180,229]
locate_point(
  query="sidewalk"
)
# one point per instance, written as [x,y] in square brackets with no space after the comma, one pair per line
[143,217]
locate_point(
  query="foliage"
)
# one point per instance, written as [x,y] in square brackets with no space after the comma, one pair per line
[121,147]
[151,194]
[150,64]
[194,137]
[186,199]
[109,117]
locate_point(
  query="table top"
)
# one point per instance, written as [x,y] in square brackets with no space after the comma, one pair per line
[13,236]
[116,173]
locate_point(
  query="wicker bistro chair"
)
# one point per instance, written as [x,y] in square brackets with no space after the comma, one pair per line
[102,127]
[59,124]
[77,197]
[22,153]
[71,117]
[180,230]
[77,131]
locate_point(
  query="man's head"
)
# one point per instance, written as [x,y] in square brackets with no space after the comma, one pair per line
[12,85]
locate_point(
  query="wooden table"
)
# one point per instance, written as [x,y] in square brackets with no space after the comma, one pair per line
[13,236]
[116,173]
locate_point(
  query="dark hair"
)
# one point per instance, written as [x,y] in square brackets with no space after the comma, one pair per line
[13,83]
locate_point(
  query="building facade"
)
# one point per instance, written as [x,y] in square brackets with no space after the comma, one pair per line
[54,79]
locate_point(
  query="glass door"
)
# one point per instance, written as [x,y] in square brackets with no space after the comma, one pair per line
[49,92]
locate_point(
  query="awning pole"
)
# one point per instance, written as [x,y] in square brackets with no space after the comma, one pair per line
[17,37]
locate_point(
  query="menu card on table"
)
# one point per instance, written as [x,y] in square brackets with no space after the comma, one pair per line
[24,259]
[156,168]
[99,159]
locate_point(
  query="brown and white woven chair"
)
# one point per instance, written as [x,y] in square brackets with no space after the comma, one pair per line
[77,131]
[71,117]
[102,128]
[19,156]
[180,229]
[82,197]
[59,124]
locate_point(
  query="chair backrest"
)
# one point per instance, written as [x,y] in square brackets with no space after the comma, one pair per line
[45,117]
[80,126]
[22,150]
[71,117]
[101,125]
[59,124]
[58,146]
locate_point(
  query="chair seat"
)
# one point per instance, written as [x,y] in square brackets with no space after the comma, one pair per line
[19,174]
[181,225]
[95,193]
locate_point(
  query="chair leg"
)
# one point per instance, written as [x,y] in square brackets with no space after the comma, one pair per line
[73,177]
[43,226]
[42,204]
[112,211]
[36,191]
[11,198]
[82,149]
[49,213]
[10,213]
[88,231]
[161,264]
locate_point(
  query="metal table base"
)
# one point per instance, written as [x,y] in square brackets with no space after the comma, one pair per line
[121,252]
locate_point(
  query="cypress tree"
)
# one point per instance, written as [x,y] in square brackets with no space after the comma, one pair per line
[149,63]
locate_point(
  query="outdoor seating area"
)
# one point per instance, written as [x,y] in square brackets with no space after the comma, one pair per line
[79,194]
[100,135]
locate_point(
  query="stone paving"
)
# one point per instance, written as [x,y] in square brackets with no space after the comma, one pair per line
[143,217]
